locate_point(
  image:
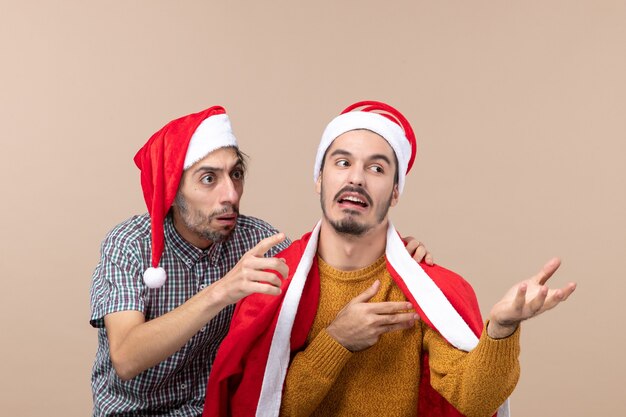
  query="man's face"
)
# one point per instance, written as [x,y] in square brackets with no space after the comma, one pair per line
[356,185]
[207,202]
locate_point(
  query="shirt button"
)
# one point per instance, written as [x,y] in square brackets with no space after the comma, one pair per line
[203,329]
[202,286]
[188,262]
[183,386]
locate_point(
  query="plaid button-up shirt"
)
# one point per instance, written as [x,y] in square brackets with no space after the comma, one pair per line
[176,386]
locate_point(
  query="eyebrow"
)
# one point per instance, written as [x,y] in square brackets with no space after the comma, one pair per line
[381,156]
[375,156]
[207,168]
[340,152]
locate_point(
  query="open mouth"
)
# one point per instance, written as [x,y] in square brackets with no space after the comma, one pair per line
[352,200]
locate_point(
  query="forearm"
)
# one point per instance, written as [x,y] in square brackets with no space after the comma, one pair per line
[311,374]
[147,344]
[478,382]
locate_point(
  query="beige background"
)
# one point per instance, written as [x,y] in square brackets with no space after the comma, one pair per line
[518,108]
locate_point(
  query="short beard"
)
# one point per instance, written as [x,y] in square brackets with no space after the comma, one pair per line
[350,226]
[195,221]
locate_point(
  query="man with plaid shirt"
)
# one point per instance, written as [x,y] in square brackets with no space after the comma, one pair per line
[158,337]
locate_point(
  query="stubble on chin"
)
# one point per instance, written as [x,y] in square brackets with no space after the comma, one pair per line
[200,224]
[215,236]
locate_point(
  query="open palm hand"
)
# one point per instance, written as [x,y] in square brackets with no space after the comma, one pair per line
[527,299]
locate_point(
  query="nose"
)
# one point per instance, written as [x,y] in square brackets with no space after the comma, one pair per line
[229,194]
[355,175]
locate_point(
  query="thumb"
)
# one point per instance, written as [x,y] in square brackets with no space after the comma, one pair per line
[367,295]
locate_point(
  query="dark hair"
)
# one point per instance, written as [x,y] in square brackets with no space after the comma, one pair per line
[243,159]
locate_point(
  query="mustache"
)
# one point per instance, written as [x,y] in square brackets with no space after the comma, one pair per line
[227,209]
[357,190]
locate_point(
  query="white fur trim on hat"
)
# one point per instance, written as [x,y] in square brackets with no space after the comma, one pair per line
[390,131]
[213,133]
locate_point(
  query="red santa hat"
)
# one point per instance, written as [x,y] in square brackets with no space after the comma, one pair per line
[381,119]
[162,160]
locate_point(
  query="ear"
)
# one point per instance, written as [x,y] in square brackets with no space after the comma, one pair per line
[318,183]
[395,196]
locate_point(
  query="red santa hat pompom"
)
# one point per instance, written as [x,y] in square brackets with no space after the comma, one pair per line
[162,160]
[381,119]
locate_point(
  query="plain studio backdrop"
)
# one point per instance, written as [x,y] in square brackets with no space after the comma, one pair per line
[519,110]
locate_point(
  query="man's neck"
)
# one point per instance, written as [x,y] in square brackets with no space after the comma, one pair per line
[348,252]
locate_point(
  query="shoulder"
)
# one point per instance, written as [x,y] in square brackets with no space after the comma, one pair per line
[449,279]
[459,292]
[249,224]
[295,250]
[250,230]
[130,232]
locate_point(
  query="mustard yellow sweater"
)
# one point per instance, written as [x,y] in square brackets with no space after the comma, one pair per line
[328,380]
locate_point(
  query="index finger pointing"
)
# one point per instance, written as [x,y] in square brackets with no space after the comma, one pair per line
[266,244]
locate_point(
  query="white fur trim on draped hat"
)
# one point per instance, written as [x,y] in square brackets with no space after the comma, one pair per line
[213,133]
[390,131]
[438,309]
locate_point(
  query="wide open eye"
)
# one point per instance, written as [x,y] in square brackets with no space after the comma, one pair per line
[207,179]
[237,174]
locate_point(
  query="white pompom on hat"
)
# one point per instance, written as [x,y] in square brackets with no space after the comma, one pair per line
[381,119]
[162,160]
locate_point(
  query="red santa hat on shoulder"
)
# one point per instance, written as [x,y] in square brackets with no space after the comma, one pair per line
[162,160]
[381,119]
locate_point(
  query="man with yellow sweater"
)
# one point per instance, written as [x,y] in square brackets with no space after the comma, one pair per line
[359,328]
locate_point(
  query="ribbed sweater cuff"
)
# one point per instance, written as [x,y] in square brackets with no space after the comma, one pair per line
[326,355]
[499,350]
